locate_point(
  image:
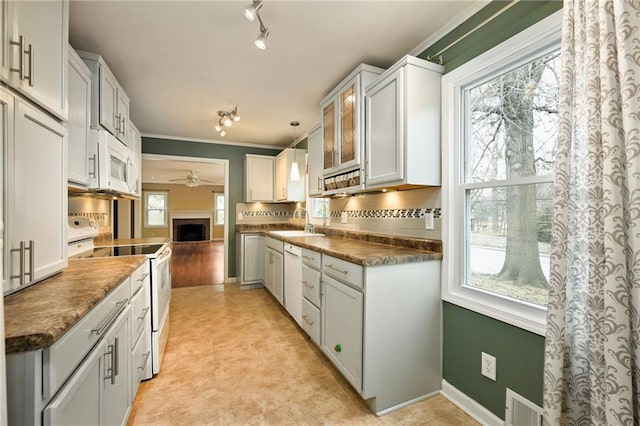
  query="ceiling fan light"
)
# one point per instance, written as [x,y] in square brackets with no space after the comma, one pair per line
[251,11]
[261,41]
[236,117]
[222,133]
[218,127]
[227,121]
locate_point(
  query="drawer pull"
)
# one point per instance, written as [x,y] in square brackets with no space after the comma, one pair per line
[307,257]
[144,363]
[307,284]
[304,317]
[338,348]
[144,313]
[142,278]
[116,364]
[120,306]
[111,374]
[333,268]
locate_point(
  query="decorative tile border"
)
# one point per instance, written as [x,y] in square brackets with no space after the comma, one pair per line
[389,213]
[252,213]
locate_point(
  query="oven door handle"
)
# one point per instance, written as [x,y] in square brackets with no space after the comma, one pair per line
[164,256]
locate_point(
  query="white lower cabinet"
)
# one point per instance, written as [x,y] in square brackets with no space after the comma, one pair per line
[342,328]
[273,273]
[311,321]
[252,259]
[116,374]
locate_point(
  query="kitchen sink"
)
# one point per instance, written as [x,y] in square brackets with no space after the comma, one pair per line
[296,233]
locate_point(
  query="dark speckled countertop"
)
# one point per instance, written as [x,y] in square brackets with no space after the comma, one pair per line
[363,248]
[36,317]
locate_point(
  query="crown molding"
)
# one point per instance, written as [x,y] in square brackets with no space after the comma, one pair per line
[213,141]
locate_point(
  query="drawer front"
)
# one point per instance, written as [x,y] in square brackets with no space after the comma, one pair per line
[311,321]
[347,272]
[311,284]
[140,277]
[141,364]
[312,258]
[277,245]
[61,359]
[141,313]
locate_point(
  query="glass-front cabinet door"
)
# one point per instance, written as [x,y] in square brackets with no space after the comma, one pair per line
[348,132]
[329,134]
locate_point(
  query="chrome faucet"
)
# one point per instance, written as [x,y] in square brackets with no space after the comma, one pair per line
[307,226]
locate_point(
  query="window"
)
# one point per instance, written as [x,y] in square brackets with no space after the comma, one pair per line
[155,209]
[219,208]
[319,207]
[499,131]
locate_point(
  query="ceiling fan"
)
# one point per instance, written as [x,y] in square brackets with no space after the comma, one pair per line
[192,180]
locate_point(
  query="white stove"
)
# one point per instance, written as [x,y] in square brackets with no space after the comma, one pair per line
[83,230]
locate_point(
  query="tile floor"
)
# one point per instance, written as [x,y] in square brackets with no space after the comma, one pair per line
[234,357]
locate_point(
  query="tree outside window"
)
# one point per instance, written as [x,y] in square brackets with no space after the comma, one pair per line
[155,209]
[511,129]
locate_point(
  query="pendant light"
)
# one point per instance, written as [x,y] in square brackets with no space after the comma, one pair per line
[295,168]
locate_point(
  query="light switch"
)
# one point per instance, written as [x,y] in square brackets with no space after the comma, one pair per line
[343,217]
[428,220]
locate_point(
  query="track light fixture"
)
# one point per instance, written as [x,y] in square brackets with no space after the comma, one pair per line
[226,119]
[252,12]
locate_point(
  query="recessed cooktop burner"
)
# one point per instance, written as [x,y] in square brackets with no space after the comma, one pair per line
[125,250]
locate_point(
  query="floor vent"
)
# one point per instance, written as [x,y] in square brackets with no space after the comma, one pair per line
[521,412]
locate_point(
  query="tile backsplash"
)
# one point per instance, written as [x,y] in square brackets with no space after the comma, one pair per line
[394,213]
[256,213]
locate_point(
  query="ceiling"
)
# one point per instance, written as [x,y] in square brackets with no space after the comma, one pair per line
[182,61]
[158,170]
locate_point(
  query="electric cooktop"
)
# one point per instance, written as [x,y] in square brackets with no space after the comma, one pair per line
[124,250]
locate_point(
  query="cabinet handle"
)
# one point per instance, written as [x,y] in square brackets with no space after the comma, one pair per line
[307,284]
[30,53]
[20,69]
[109,319]
[144,314]
[123,121]
[20,275]
[338,348]
[144,277]
[31,248]
[95,165]
[307,257]
[319,183]
[110,375]
[117,123]
[116,363]
[342,271]
[304,317]
[144,363]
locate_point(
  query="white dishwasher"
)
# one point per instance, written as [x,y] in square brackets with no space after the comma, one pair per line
[293,281]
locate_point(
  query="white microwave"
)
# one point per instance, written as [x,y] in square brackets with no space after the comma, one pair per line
[111,164]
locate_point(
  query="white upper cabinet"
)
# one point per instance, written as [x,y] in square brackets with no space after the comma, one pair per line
[34,51]
[36,194]
[80,166]
[343,123]
[134,142]
[287,187]
[109,102]
[403,126]
[259,178]
[314,162]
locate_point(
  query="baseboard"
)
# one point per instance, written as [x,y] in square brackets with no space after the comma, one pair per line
[231,280]
[470,406]
[406,404]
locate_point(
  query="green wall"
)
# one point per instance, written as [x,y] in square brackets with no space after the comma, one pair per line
[519,358]
[235,155]
[519,353]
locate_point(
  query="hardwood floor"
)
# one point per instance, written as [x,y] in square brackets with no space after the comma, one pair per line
[197,263]
[235,357]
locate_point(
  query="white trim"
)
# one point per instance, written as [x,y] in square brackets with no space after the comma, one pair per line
[451,24]
[213,141]
[470,406]
[533,40]
[145,194]
[406,404]
[226,191]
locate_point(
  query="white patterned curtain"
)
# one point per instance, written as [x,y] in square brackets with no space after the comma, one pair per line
[592,364]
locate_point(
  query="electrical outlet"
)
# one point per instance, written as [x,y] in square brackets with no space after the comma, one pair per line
[488,366]
[343,217]
[428,220]
[240,216]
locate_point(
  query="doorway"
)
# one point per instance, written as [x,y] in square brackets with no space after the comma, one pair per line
[190,185]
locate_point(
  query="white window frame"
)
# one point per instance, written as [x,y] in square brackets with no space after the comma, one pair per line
[518,50]
[216,209]
[146,208]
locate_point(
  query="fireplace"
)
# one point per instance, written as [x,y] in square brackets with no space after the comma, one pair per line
[191,229]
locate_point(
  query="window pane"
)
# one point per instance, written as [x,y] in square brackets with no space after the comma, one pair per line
[509,229]
[220,202]
[156,201]
[220,217]
[513,121]
[155,217]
